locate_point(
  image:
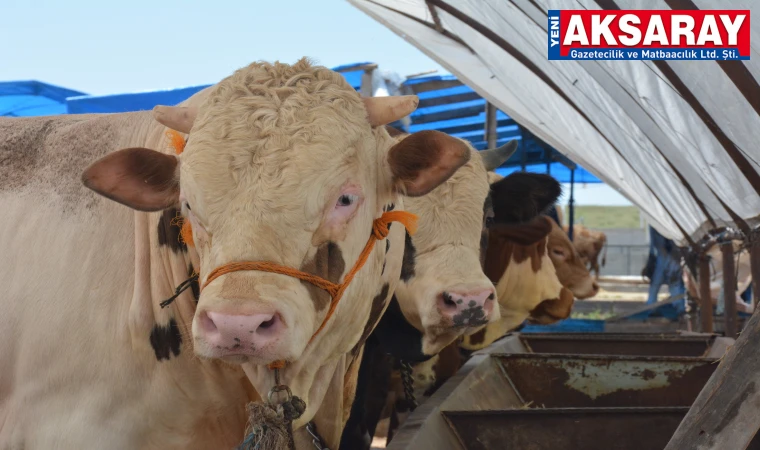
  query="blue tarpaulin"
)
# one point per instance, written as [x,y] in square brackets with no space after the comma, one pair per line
[446,105]
[33,98]
[449,106]
[135,101]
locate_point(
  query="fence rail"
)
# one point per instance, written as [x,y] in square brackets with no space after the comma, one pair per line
[624,259]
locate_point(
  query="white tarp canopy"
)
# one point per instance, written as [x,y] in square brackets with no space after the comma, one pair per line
[679,139]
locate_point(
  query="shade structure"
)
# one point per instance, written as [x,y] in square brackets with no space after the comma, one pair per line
[33,98]
[448,105]
[677,138]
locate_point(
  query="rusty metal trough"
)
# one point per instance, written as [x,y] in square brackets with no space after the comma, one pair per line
[514,396]
[660,344]
[586,381]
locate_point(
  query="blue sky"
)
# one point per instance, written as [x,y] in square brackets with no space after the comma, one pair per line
[128,46]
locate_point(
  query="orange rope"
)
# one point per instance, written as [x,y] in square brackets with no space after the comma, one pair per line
[379,232]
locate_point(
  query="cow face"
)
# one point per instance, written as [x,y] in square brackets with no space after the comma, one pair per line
[571,270]
[282,165]
[516,260]
[443,291]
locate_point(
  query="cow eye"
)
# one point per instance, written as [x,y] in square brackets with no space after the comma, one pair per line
[187,205]
[489,221]
[346,200]
[558,252]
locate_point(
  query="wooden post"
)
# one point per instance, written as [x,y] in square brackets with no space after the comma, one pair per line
[491,125]
[729,288]
[726,414]
[705,305]
[754,263]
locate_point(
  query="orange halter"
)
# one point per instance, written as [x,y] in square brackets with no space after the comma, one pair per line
[379,232]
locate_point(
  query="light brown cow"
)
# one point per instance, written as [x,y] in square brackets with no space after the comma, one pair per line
[516,199]
[590,244]
[542,276]
[283,164]
[443,291]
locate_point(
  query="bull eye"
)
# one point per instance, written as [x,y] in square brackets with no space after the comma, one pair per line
[187,205]
[346,200]
[489,221]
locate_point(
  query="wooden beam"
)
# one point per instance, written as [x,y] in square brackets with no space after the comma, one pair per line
[705,297]
[729,288]
[726,414]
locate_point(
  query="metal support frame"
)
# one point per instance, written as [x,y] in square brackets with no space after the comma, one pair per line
[490,129]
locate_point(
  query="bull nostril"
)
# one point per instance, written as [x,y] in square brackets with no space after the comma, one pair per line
[268,323]
[207,324]
[492,296]
[448,300]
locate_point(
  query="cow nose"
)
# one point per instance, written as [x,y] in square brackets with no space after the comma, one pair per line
[240,334]
[468,307]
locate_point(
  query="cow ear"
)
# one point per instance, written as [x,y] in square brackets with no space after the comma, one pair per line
[520,197]
[424,160]
[143,179]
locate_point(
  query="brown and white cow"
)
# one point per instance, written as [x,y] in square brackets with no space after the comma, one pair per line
[285,164]
[590,244]
[538,274]
[447,251]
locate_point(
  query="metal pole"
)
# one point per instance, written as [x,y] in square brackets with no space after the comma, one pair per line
[571,205]
[729,288]
[490,125]
[705,306]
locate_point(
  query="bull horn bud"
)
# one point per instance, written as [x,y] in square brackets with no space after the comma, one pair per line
[384,110]
[178,118]
[495,157]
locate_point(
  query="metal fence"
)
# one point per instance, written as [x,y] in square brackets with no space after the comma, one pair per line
[624,259]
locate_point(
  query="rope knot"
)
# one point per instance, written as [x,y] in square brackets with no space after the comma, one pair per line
[380,229]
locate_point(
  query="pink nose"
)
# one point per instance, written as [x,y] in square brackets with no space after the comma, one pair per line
[469,308]
[238,334]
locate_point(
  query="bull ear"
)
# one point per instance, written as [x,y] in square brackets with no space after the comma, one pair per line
[143,179]
[424,160]
[520,197]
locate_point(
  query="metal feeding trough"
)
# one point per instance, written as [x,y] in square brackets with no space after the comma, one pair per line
[660,344]
[566,428]
[513,396]
[587,381]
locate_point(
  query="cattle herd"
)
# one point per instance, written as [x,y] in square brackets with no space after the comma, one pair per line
[267,213]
